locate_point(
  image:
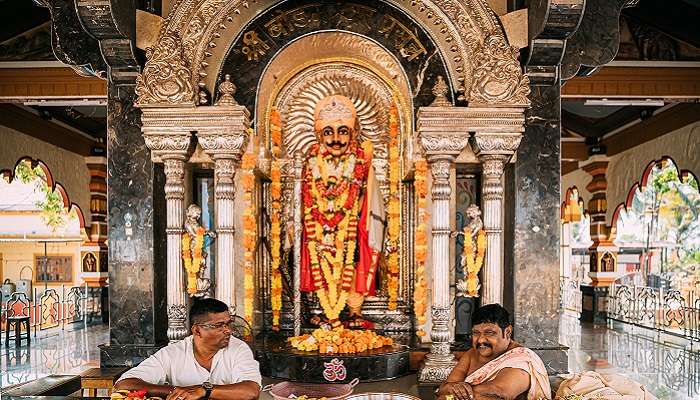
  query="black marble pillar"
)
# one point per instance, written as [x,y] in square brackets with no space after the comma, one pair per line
[136,237]
[536,227]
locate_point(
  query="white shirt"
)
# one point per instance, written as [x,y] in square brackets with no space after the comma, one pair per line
[175,365]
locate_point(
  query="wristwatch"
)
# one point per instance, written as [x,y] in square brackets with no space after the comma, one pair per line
[207,386]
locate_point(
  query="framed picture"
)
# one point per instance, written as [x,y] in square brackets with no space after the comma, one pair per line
[57,268]
[90,261]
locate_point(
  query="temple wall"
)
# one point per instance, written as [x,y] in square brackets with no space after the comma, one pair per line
[626,168]
[67,168]
[16,256]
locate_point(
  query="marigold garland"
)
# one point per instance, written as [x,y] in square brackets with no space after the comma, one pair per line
[420,292]
[249,234]
[192,258]
[339,340]
[473,261]
[393,209]
[331,206]
[275,229]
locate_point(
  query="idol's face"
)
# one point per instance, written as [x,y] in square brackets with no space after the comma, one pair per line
[336,138]
[489,340]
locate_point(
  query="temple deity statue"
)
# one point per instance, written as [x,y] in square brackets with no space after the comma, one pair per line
[343,214]
[195,241]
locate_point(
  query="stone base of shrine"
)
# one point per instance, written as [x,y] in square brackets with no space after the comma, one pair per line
[278,360]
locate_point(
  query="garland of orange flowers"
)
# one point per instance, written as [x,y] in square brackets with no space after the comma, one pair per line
[275,230]
[331,206]
[249,234]
[393,209]
[420,245]
[473,261]
[192,258]
[339,340]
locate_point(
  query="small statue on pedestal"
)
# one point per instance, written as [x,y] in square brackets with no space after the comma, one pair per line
[472,261]
[195,241]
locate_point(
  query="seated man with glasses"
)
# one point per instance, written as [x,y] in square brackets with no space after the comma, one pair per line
[496,366]
[209,364]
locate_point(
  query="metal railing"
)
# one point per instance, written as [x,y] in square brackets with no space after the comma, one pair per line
[56,307]
[670,311]
[657,365]
[570,297]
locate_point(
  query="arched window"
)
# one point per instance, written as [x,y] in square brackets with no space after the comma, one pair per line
[33,206]
[660,222]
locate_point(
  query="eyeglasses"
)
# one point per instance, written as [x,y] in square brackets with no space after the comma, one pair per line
[219,325]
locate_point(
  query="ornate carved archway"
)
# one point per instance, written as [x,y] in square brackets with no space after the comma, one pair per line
[482,67]
[194,52]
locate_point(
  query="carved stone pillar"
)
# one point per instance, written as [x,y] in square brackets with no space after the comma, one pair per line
[224,196]
[226,147]
[174,167]
[443,135]
[493,150]
[171,148]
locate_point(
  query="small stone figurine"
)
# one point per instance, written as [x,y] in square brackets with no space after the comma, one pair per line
[195,241]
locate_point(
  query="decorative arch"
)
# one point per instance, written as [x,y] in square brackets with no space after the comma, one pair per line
[184,64]
[683,174]
[56,187]
[572,208]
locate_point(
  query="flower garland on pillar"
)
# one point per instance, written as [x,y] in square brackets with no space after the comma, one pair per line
[393,209]
[473,261]
[249,234]
[275,229]
[420,246]
[192,257]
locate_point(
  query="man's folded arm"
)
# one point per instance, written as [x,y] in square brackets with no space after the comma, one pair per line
[509,383]
[245,390]
[137,384]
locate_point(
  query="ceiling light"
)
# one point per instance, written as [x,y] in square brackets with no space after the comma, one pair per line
[624,102]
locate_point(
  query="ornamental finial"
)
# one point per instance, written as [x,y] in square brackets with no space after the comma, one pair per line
[226,91]
[440,93]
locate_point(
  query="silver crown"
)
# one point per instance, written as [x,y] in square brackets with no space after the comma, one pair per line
[335,110]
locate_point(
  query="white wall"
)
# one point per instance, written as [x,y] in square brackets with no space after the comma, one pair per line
[67,168]
[626,168]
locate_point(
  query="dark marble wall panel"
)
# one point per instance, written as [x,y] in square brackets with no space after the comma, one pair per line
[136,235]
[536,227]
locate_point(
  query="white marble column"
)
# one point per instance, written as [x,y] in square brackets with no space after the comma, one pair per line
[494,150]
[443,134]
[224,196]
[171,147]
[440,361]
[174,166]
[492,208]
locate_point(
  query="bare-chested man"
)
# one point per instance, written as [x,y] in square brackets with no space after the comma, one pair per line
[496,367]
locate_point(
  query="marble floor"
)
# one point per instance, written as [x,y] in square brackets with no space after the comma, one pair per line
[668,367]
[53,351]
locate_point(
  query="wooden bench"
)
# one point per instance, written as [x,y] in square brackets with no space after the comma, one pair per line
[100,378]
